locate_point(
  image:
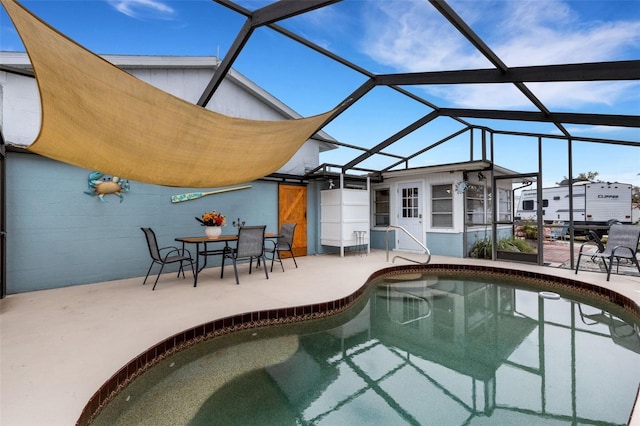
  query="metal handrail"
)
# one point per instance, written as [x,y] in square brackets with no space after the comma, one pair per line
[426,250]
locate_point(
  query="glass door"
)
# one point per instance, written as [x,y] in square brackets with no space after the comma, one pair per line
[517,228]
[410,216]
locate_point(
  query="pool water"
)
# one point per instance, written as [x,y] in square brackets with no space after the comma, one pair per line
[417,350]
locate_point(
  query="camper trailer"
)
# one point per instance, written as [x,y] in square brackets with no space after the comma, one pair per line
[594,203]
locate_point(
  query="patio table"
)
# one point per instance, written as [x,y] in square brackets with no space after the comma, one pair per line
[226,239]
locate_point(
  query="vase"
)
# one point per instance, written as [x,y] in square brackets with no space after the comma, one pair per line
[213,231]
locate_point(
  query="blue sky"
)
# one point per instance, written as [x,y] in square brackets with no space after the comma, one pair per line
[390,36]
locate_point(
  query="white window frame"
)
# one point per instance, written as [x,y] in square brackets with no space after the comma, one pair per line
[434,213]
[374,207]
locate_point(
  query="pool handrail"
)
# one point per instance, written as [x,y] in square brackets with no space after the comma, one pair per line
[426,250]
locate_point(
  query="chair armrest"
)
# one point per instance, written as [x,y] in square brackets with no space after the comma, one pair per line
[631,252]
[588,243]
[173,249]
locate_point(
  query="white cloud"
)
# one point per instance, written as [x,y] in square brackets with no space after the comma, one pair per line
[412,36]
[140,9]
[416,39]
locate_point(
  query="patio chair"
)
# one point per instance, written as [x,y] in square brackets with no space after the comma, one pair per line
[593,238]
[283,243]
[250,245]
[622,243]
[559,233]
[171,255]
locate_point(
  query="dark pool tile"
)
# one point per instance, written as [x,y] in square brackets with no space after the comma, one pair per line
[92,407]
[208,327]
[149,355]
[201,330]
[179,339]
[189,334]
[122,377]
[270,314]
[218,324]
[104,393]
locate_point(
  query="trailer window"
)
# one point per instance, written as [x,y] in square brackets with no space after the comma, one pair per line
[545,203]
[527,205]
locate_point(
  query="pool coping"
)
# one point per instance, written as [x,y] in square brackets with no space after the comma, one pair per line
[249,320]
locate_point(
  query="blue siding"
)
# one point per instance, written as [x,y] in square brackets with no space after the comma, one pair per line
[475,236]
[378,239]
[445,244]
[58,236]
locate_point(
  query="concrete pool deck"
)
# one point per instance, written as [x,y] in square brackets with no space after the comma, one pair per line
[58,347]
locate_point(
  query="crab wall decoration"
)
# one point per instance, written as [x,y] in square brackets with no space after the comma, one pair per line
[101,185]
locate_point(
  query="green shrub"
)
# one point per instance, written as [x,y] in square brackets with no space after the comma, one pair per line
[528,230]
[482,248]
[514,244]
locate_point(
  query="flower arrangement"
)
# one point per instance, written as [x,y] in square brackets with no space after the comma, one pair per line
[212,218]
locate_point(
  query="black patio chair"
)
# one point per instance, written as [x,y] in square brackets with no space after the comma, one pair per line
[622,243]
[250,245]
[593,237]
[171,255]
[282,243]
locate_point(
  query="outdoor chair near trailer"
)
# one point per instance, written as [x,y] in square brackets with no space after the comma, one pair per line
[622,243]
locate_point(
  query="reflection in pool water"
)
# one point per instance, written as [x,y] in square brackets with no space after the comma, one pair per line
[418,350]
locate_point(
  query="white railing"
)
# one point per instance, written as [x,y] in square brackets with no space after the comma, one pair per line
[426,250]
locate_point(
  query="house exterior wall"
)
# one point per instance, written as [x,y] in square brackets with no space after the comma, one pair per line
[59,236]
[456,240]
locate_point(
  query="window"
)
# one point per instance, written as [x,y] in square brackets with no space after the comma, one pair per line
[527,205]
[410,202]
[381,207]
[545,203]
[475,205]
[442,206]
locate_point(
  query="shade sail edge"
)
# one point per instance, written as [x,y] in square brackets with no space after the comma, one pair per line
[98,117]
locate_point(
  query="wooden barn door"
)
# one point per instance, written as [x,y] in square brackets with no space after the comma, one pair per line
[292,208]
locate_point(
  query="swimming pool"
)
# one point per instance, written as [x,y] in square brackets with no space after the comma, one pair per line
[384,359]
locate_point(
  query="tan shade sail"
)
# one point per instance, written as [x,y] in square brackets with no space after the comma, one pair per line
[98,117]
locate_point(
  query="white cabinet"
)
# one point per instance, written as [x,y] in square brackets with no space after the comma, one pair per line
[344,213]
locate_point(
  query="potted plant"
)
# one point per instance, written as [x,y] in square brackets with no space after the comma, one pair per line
[213,222]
